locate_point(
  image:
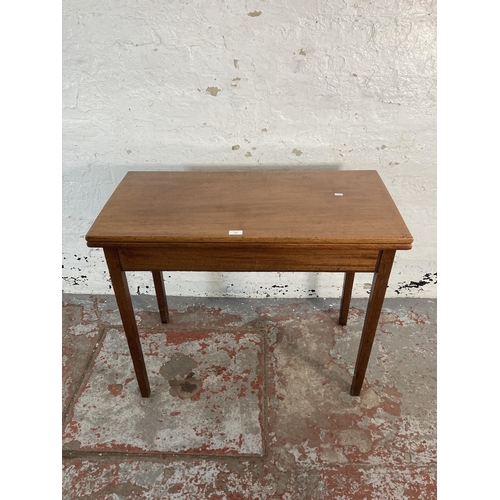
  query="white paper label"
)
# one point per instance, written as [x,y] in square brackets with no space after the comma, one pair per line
[339,194]
[235,231]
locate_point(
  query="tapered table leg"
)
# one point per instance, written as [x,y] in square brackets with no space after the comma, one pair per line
[161,296]
[122,294]
[377,295]
[346,297]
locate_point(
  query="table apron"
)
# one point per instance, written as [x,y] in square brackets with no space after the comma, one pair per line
[219,257]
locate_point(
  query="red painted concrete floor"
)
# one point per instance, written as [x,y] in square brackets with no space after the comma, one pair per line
[250,400]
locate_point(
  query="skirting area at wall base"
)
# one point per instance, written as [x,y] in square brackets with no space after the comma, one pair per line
[405,281]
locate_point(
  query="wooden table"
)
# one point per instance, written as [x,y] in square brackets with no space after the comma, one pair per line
[280,220]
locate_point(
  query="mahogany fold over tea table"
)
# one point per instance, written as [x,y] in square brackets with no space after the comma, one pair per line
[277,220]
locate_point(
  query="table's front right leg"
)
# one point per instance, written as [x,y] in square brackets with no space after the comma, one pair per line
[377,295]
[122,294]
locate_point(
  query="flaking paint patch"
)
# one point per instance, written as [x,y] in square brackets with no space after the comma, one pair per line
[213,91]
[428,278]
[357,438]
[332,454]
[72,274]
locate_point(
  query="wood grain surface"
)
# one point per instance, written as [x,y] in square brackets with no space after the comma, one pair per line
[278,206]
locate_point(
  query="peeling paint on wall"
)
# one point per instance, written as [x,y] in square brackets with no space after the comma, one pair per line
[213,90]
[429,278]
[185,86]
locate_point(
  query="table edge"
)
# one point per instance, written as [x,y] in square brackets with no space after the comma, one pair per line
[402,244]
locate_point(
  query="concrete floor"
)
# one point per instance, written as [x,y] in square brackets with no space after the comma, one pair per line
[250,400]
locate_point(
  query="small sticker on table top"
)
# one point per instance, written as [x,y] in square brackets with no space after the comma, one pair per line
[235,231]
[339,194]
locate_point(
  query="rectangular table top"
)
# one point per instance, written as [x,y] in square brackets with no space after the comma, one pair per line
[275,206]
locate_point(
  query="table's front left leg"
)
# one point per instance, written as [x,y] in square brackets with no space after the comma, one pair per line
[122,294]
[377,295]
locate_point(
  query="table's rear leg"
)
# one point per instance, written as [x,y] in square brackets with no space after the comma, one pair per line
[377,295]
[346,297]
[122,294]
[161,296]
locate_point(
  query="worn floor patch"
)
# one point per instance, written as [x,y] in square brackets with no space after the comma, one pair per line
[243,480]
[201,430]
[80,333]
[206,396]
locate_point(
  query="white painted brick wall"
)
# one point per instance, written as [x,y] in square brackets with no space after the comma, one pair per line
[175,85]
